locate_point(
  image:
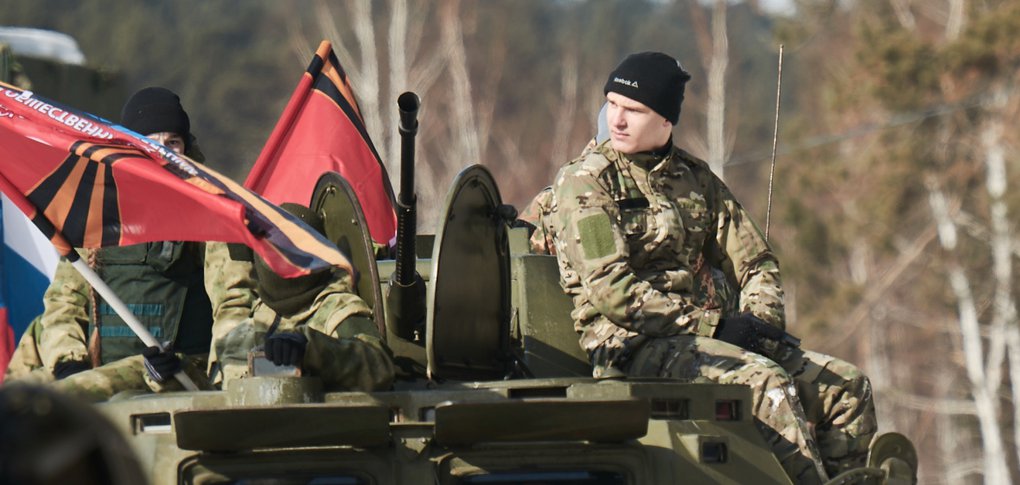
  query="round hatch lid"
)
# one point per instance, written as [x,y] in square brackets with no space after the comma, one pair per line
[336,202]
[468,299]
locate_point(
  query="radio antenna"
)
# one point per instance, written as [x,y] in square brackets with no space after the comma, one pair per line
[775,141]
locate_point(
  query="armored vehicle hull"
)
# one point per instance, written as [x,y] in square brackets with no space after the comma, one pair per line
[576,430]
[493,389]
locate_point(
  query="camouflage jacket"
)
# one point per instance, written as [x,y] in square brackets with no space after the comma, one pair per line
[68,304]
[637,239]
[345,348]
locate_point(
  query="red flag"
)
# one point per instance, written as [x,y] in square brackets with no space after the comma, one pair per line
[321,129]
[88,183]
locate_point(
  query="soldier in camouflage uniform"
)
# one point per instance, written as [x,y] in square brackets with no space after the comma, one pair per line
[671,278]
[314,322]
[176,289]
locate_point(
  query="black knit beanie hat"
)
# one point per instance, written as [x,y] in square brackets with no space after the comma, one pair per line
[653,79]
[155,110]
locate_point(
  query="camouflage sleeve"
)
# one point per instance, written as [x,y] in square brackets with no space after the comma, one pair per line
[594,254]
[338,302]
[747,254]
[230,284]
[353,359]
[533,216]
[65,316]
[344,346]
[26,360]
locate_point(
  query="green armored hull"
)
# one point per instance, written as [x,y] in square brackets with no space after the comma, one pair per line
[494,390]
[521,431]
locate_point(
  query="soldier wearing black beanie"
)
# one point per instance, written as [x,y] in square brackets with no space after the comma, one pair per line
[652,78]
[154,110]
[670,277]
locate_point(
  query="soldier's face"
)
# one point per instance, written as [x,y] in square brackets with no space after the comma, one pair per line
[170,140]
[634,127]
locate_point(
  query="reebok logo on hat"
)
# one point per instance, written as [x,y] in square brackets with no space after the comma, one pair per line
[625,82]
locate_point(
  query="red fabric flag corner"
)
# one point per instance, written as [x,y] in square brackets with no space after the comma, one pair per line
[320,130]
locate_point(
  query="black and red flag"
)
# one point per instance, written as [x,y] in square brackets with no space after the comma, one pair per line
[89,183]
[320,130]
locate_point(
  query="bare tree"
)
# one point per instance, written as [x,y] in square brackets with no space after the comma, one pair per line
[562,147]
[903,14]
[714,48]
[983,389]
[1005,331]
[463,123]
[957,19]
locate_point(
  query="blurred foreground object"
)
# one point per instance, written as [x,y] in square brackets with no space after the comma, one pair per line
[49,438]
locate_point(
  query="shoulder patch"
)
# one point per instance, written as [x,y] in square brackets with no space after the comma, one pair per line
[596,234]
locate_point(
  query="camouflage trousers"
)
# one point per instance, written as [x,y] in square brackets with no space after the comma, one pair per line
[811,408]
[128,374]
[838,403]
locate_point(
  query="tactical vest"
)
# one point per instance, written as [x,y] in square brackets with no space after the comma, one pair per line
[162,283]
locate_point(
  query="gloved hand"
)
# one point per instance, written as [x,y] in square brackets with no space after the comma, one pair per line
[747,332]
[161,365]
[69,368]
[286,348]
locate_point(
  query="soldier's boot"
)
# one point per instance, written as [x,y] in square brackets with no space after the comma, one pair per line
[841,449]
[891,460]
[895,454]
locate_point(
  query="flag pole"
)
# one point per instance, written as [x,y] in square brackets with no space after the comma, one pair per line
[124,313]
[64,247]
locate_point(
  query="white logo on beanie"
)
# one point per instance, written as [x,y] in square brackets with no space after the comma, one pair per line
[625,82]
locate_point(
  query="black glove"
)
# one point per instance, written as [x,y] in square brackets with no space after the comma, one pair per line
[286,348]
[69,368]
[747,332]
[161,365]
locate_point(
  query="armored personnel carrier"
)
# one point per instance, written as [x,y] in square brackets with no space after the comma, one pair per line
[493,387]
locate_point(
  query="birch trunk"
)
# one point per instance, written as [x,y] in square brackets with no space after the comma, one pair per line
[985,400]
[716,106]
[1004,314]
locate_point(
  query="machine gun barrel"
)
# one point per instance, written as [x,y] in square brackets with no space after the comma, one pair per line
[408,104]
[405,300]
